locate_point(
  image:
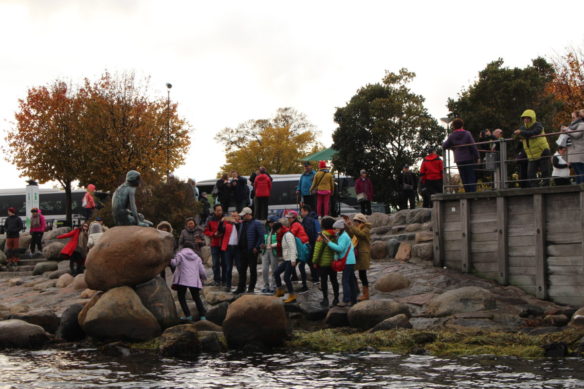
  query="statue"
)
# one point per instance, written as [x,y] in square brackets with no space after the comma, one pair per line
[124,208]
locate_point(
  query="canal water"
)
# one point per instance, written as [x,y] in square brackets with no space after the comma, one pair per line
[87,368]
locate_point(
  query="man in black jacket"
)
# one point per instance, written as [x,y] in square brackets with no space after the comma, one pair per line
[12,227]
[408,185]
[239,190]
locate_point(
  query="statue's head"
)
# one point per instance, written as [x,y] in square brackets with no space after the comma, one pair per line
[133,178]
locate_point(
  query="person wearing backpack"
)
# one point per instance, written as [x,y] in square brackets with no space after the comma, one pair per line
[344,251]
[297,230]
[288,261]
[322,259]
[312,228]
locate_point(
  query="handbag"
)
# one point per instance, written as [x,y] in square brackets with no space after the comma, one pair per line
[362,196]
[339,265]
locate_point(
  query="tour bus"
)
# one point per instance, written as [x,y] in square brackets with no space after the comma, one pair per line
[283,196]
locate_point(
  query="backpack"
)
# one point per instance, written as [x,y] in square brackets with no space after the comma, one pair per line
[302,249]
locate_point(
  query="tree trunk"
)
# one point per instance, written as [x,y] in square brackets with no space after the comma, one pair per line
[68,203]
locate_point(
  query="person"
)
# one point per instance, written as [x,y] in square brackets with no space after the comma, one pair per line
[12,227]
[270,256]
[408,184]
[312,228]
[522,164]
[162,226]
[288,261]
[485,136]
[343,248]
[229,231]
[193,183]
[239,190]
[431,177]
[498,136]
[205,208]
[576,151]
[322,258]
[296,229]
[323,185]
[364,192]
[361,229]
[223,192]
[536,147]
[76,249]
[99,220]
[263,186]
[196,235]
[561,168]
[189,274]
[88,202]
[95,233]
[38,224]
[466,154]
[251,238]
[214,230]
[304,186]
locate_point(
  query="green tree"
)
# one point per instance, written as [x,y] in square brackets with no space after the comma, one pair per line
[382,128]
[501,94]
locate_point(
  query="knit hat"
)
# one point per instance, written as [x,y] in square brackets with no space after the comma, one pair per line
[12,209]
[91,187]
[322,165]
[339,224]
[360,218]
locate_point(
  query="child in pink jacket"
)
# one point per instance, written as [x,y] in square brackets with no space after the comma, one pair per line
[189,273]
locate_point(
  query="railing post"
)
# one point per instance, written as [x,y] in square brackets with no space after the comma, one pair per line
[465,254]
[503,164]
[540,254]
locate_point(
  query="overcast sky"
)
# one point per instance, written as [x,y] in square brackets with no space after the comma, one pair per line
[230,61]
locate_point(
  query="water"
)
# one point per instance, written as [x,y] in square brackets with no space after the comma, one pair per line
[89,369]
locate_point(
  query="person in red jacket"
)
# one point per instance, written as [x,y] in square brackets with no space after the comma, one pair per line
[88,202]
[229,247]
[263,187]
[76,249]
[431,177]
[214,230]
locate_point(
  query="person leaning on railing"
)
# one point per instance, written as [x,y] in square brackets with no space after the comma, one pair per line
[536,147]
[466,154]
[576,151]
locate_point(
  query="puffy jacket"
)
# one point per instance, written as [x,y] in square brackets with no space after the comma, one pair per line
[323,255]
[42,223]
[298,231]
[289,252]
[323,180]
[364,186]
[12,226]
[340,248]
[211,228]
[534,147]
[227,229]
[262,185]
[192,236]
[305,183]
[463,153]
[189,270]
[310,225]
[254,232]
[432,168]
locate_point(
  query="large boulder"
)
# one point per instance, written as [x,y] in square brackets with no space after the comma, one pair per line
[337,317]
[424,236]
[69,328]
[127,256]
[391,281]
[52,251]
[423,251]
[16,333]
[215,295]
[367,314]
[181,341]
[3,259]
[24,241]
[42,267]
[64,281]
[119,314]
[419,215]
[217,313]
[397,321]
[392,247]
[465,299]
[79,282]
[378,250]
[211,341]
[379,219]
[578,318]
[157,298]
[255,319]
[43,317]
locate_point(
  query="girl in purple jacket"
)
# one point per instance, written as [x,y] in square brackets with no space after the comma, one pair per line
[190,274]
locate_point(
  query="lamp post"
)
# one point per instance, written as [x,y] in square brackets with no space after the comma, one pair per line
[168,87]
[446,121]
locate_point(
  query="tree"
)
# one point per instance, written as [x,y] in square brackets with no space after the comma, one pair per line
[501,94]
[567,84]
[278,143]
[381,129]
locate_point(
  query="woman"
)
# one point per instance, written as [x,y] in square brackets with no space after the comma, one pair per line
[576,151]
[262,185]
[322,259]
[95,232]
[361,230]
[88,202]
[466,154]
[323,185]
[344,251]
[76,249]
[38,225]
[289,256]
[192,233]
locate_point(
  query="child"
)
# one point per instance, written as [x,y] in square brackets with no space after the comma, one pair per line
[561,172]
[289,256]
[190,274]
[269,255]
[322,258]
[76,248]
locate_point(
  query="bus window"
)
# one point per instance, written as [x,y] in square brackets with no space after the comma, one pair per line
[283,192]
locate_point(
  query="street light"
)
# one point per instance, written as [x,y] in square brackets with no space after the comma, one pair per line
[168,87]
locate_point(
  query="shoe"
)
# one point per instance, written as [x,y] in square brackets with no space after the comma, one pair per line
[291,298]
[252,291]
[365,295]
[342,304]
[186,318]
[324,303]
[238,291]
[228,289]
[335,302]
[266,290]
[202,318]
[279,292]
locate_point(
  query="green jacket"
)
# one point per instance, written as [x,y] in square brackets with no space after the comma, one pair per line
[274,243]
[323,255]
[533,147]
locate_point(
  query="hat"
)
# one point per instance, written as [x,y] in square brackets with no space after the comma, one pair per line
[272,219]
[363,171]
[292,214]
[12,209]
[307,163]
[360,218]
[339,224]
[322,165]
[91,187]
[246,211]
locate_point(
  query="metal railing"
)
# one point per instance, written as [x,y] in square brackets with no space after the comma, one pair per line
[497,176]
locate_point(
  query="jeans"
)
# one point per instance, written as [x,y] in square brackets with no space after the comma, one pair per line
[36,241]
[542,164]
[247,259]
[286,268]
[218,257]
[261,207]
[181,291]
[269,260]
[323,204]
[466,169]
[87,213]
[349,285]
[365,207]
[328,273]
[302,268]
[230,257]
[579,170]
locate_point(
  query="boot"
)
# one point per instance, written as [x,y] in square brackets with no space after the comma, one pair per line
[335,301]
[365,295]
[324,303]
[291,298]
[279,292]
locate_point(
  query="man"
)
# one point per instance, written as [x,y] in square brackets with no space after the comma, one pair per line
[431,177]
[251,239]
[214,230]
[312,228]
[296,228]
[12,227]
[239,190]
[230,246]
[408,184]
[536,148]
[364,191]
[304,184]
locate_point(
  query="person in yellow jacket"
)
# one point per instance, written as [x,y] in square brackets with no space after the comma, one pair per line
[323,185]
[536,147]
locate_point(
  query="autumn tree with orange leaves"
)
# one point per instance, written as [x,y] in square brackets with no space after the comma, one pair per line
[568,84]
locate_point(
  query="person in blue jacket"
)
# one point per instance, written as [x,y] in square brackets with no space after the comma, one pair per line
[344,247]
[304,184]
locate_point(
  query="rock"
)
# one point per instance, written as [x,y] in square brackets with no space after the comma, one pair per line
[556,320]
[531,311]
[52,234]
[127,256]
[366,314]
[378,219]
[555,350]
[210,342]
[44,285]
[79,282]
[206,255]
[119,314]
[52,251]
[215,295]
[424,236]
[399,218]
[419,215]
[404,252]
[578,318]
[157,298]
[424,251]
[16,333]
[217,313]
[19,309]
[206,325]
[465,299]
[87,294]
[64,281]
[392,247]
[115,349]
[378,250]
[24,241]
[391,281]
[413,227]
[312,310]
[54,275]
[426,323]
[397,321]
[69,328]
[255,319]
[181,341]
[42,267]
[15,281]
[44,318]
[382,230]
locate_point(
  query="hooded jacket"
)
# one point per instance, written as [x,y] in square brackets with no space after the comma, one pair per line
[189,270]
[463,153]
[363,234]
[298,231]
[343,245]
[289,252]
[534,147]
[364,185]
[214,224]
[576,132]
[323,255]
[311,227]
[305,183]
[323,180]
[432,168]
[262,185]
[42,223]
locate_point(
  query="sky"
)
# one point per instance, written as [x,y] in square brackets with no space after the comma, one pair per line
[230,61]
